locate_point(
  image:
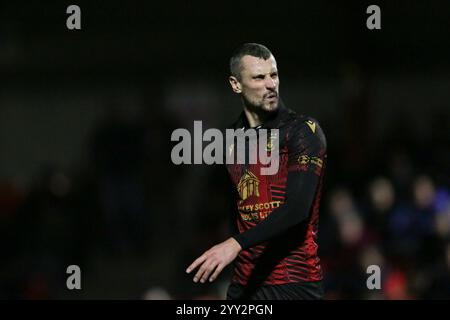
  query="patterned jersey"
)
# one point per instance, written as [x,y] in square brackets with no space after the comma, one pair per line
[278,220]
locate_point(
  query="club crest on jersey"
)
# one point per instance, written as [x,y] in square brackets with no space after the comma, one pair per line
[270,144]
[248,185]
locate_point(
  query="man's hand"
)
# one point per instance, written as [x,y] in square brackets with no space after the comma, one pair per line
[215,259]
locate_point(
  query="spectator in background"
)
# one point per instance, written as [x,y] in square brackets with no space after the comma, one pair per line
[344,237]
[379,208]
[410,226]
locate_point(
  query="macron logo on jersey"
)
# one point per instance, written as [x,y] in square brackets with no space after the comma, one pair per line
[311,125]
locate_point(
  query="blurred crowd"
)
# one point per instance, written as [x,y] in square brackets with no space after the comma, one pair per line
[404,232]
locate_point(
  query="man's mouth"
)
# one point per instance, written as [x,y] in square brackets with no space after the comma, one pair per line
[271,95]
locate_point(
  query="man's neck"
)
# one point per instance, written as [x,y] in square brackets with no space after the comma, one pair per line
[256,119]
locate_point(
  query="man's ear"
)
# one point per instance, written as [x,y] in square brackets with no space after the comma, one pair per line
[235,84]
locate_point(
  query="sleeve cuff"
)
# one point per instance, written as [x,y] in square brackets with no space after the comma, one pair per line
[241,240]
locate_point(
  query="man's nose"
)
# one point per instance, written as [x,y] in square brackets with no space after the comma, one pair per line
[270,83]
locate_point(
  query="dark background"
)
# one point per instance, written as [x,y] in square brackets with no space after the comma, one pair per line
[86,118]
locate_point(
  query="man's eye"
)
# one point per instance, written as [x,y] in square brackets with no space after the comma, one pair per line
[274,75]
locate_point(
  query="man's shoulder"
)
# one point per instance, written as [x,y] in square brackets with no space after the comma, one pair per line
[306,128]
[306,124]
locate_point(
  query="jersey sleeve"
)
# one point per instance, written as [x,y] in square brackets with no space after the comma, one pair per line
[307,147]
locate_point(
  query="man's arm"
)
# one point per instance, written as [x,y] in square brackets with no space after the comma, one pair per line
[300,192]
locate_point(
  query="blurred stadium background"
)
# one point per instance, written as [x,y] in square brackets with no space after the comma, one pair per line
[86,118]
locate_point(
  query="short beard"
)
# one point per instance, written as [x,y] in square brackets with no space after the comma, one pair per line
[262,112]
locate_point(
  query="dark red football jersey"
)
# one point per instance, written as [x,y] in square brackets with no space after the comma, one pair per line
[290,256]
